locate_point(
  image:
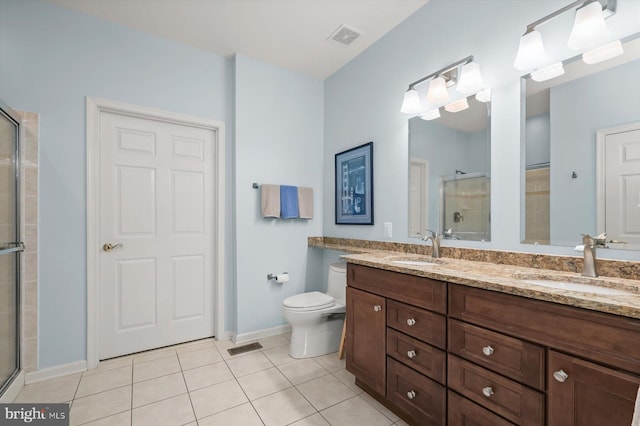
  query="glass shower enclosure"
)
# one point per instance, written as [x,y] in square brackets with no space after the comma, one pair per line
[10,247]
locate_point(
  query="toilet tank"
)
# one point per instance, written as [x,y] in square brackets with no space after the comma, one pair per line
[337,282]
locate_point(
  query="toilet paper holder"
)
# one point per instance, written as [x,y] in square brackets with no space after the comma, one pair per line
[275,276]
[279,278]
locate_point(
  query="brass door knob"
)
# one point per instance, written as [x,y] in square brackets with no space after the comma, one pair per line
[109,247]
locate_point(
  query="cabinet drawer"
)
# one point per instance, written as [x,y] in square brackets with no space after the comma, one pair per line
[516,359]
[462,412]
[421,398]
[606,338]
[509,399]
[424,292]
[424,325]
[426,359]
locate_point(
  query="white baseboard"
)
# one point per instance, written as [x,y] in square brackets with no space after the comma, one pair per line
[57,371]
[267,332]
[14,389]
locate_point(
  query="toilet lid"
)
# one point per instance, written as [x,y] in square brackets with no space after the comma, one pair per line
[311,300]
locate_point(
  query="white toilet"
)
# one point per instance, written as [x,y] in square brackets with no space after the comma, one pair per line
[315,329]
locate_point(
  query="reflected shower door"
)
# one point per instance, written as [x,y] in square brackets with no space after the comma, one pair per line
[9,250]
[466,207]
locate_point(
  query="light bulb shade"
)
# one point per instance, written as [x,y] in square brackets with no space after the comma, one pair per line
[457,106]
[470,78]
[431,114]
[484,95]
[411,102]
[603,53]
[547,73]
[438,92]
[589,28]
[530,52]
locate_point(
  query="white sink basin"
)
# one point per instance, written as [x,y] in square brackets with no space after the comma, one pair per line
[584,288]
[415,262]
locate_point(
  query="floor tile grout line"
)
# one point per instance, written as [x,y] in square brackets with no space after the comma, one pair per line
[131,405]
[193,409]
[110,415]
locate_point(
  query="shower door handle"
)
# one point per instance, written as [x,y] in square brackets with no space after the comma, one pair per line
[12,247]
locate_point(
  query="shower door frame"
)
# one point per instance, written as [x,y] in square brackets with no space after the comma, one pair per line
[6,111]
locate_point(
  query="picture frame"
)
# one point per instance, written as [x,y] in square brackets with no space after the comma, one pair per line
[354,186]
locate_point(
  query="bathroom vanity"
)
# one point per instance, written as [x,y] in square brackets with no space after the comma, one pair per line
[453,343]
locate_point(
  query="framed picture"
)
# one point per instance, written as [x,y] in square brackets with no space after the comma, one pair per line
[354,186]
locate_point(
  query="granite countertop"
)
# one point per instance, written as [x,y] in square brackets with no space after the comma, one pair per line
[508,279]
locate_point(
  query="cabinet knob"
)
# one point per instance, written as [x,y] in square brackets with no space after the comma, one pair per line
[488,391]
[560,376]
[411,353]
[377,308]
[411,321]
[487,350]
[411,394]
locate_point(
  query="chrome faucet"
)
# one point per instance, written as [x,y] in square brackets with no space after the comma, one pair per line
[589,251]
[435,241]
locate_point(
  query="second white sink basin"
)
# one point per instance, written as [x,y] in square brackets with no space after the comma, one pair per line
[584,288]
[415,262]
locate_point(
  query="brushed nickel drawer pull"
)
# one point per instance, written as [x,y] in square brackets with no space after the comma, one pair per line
[488,391]
[411,353]
[411,322]
[377,308]
[411,394]
[487,350]
[560,376]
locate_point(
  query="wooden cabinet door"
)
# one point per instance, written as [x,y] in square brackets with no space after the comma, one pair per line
[366,345]
[589,394]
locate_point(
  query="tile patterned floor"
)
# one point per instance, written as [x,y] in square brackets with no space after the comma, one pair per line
[199,383]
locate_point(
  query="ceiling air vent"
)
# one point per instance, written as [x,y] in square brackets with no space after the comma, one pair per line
[344,35]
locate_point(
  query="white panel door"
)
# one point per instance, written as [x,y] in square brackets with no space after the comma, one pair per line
[622,186]
[418,197]
[157,186]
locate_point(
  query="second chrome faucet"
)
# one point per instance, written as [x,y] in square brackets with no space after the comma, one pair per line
[435,242]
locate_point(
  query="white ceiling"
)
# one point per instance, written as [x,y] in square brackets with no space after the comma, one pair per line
[288,33]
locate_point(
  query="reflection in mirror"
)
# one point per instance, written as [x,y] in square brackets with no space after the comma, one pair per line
[449,169]
[582,144]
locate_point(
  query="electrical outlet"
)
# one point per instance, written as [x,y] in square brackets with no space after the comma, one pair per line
[388,230]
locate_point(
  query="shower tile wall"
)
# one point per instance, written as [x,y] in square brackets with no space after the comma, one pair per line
[29,232]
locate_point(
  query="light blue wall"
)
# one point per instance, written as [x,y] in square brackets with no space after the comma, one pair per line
[538,139]
[362,102]
[578,110]
[278,140]
[50,59]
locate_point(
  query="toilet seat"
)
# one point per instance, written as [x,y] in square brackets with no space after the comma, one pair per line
[311,301]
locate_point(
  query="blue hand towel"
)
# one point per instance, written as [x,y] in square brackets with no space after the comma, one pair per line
[288,202]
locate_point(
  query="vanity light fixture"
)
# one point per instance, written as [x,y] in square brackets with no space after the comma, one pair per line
[411,103]
[589,28]
[438,91]
[547,73]
[439,83]
[483,95]
[603,53]
[589,31]
[457,106]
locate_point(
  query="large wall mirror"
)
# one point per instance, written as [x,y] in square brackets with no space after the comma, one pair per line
[449,174]
[582,160]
